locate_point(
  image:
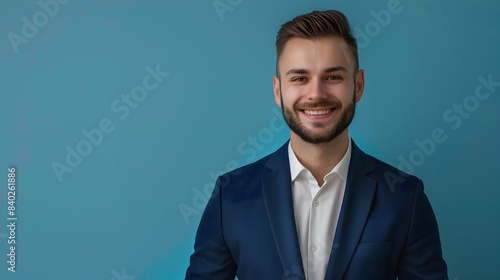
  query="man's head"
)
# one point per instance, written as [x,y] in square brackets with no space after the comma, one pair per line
[316,25]
[317,82]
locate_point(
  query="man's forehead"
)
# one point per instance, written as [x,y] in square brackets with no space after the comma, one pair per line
[330,51]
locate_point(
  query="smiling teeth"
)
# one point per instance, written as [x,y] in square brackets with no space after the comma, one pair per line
[317,112]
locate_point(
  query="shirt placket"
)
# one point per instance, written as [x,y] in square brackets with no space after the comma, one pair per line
[314,243]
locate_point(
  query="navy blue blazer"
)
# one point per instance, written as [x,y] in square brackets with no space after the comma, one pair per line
[386,228]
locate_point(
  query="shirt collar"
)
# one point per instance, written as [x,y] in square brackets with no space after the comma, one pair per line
[342,168]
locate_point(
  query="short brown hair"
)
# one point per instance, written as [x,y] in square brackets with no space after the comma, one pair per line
[316,25]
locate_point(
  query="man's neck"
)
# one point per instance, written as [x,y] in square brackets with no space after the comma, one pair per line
[321,158]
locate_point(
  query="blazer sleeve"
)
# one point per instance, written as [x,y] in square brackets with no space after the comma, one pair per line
[422,257]
[211,258]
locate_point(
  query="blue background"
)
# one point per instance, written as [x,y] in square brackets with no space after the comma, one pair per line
[118,213]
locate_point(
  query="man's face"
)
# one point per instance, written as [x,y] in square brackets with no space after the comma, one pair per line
[317,88]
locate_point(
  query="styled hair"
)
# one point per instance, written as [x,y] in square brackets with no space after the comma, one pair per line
[317,25]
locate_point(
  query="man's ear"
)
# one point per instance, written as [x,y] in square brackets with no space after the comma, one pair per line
[277,91]
[360,84]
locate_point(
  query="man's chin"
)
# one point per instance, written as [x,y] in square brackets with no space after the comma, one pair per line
[319,135]
[315,138]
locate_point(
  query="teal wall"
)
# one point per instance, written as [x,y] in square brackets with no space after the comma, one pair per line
[117,116]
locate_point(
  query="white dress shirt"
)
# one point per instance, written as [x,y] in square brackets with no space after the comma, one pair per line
[317,210]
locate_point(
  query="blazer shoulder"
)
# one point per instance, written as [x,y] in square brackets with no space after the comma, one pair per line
[253,172]
[391,175]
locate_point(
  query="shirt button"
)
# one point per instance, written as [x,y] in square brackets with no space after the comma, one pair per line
[314,248]
[315,203]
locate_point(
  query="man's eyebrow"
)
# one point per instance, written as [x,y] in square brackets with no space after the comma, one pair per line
[296,71]
[335,68]
[327,70]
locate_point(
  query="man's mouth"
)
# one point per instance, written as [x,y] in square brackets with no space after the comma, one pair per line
[317,112]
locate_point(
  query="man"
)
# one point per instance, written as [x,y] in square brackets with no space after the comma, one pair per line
[318,208]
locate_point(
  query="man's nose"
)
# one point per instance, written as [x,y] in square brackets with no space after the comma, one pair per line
[316,90]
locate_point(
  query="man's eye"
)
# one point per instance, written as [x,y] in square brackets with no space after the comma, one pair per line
[333,78]
[298,79]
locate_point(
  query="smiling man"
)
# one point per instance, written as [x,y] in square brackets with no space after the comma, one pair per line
[318,207]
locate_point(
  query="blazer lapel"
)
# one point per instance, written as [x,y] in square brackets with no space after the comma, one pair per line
[354,212]
[277,193]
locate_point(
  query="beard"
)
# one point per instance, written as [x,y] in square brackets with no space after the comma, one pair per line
[328,133]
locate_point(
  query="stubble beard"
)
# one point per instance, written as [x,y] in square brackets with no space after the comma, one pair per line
[292,119]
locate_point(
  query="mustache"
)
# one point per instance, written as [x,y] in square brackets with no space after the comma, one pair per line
[317,104]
